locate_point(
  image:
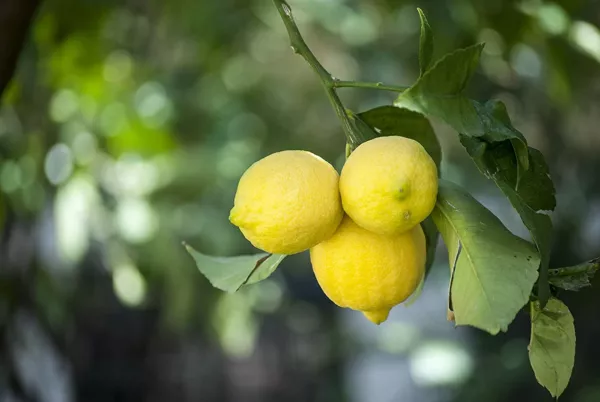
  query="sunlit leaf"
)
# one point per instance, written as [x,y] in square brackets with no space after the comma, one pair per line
[231,273]
[439,92]
[533,195]
[552,345]
[493,271]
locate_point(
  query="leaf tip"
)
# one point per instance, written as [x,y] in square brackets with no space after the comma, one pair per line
[188,248]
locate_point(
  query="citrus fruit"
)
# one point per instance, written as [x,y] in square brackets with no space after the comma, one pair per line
[369,272]
[288,202]
[389,184]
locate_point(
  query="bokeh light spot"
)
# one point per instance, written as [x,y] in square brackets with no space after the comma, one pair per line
[525,61]
[241,73]
[58,165]
[136,220]
[73,211]
[398,337]
[553,18]
[113,119]
[63,105]
[129,285]
[10,177]
[440,363]
[84,147]
[268,295]
[117,67]
[358,29]
[153,105]
[587,38]
[494,43]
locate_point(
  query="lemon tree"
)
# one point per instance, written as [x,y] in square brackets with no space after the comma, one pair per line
[494,274]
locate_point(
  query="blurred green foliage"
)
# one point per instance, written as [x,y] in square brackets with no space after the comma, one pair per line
[128,124]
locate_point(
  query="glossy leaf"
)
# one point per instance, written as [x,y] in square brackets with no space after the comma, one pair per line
[552,345]
[231,273]
[533,195]
[492,270]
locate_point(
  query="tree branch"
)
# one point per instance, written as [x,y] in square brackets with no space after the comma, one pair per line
[368,85]
[353,133]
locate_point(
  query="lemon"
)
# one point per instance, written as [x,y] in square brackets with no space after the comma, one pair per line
[288,202]
[369,272]
[389,184]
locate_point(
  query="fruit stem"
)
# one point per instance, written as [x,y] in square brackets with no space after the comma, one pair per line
[327,80]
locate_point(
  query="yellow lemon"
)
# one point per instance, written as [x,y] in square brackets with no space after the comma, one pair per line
[288,202]
[389,184]
[369,272]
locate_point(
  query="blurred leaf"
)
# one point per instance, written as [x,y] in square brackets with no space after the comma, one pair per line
[425,43]
[575,277]
[552,345]
[231,273]
[391,120]
[493,271]
[535,193]
[440,93]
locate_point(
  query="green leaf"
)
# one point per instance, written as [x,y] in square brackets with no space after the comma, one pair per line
[362,132]
[575,277]
[425,43]
[492,270]
[231,273]
[390,120]
[439,92]
[431,239]
[530,198]
[552,345]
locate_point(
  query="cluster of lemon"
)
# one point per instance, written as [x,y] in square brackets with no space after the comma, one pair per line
[362,227]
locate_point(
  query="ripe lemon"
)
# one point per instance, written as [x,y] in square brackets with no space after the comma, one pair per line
[369,272]
[288,202]
[389,184]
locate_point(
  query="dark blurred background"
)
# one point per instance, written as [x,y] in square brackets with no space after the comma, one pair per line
[124,131]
